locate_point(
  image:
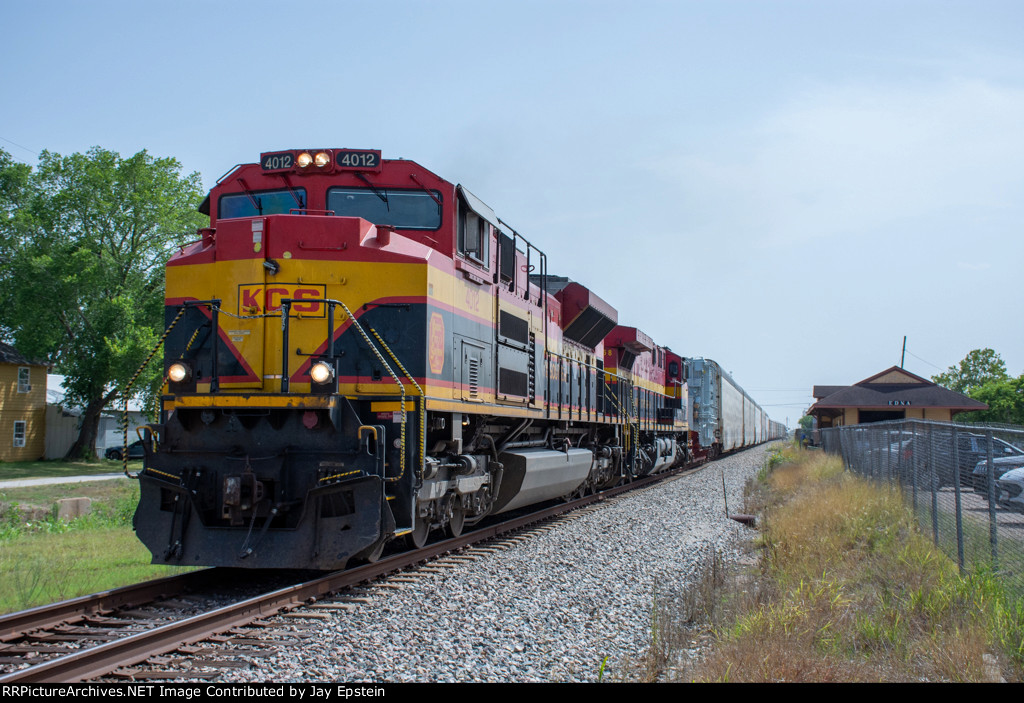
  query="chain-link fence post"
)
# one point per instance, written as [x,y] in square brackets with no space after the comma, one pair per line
[934,480]
[958,510]
[993,526]
[875,446]
[888,459]
[915,463]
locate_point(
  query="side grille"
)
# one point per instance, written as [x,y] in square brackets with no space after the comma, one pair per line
[473,375]
[513,382]
[515,328]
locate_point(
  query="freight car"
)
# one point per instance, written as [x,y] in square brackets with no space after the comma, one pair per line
[359,351]
[721,416]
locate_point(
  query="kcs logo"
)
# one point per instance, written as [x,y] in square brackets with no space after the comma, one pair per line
[257,298]
[436,343]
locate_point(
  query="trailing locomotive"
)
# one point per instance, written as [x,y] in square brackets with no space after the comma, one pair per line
[360,351]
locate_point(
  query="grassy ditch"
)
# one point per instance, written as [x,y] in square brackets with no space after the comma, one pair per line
[845,588]
[43,559]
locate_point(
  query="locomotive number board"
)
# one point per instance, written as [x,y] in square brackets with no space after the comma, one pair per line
[277,160]
[358,160]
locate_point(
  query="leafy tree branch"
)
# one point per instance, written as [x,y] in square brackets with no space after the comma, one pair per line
[83,242]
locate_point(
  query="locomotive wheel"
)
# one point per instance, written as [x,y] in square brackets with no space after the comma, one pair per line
[418,537]
[457,522]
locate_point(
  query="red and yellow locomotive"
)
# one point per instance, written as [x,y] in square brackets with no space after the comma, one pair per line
[359,351]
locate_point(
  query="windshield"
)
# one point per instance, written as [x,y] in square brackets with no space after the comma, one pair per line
[405,209]
[267,202]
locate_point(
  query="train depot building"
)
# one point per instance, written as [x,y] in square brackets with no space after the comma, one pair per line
[893,394]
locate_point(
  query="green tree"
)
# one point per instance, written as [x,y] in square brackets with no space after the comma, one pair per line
[806,422]
[1005,400]
[15,192]
[84,243]
[974,370]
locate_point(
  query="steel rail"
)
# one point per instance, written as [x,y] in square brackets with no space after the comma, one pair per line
[13,625]
[104,659]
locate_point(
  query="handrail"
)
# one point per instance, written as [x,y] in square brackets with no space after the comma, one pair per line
[331,305]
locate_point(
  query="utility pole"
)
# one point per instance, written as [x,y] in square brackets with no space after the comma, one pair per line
[904,354]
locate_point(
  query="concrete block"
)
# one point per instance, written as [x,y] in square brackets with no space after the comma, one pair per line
[29,513]
[70,508]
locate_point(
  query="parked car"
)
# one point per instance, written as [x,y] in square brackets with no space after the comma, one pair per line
[1010,490]
[888,449]
[135,451]
[934,457]
[1000,466]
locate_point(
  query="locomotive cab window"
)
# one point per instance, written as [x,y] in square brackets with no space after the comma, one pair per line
[267,202]
[404,209]
[477,224]
[473,237]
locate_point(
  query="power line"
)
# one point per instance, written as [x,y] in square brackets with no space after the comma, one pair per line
[925,361]
[775,390]
[34,153]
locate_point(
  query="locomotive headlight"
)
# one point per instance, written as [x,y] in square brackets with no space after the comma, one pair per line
[321,372]
[178,372]
[304,159]
[322,159]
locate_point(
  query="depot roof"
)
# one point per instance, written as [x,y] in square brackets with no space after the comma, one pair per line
[893,387]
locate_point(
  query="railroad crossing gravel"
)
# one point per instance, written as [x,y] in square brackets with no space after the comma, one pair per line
[550,608]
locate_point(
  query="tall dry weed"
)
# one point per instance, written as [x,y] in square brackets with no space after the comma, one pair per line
[856,593]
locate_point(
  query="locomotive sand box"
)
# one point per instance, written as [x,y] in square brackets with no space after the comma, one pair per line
[360,351]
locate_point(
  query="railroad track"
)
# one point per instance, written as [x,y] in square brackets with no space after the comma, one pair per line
[111,634]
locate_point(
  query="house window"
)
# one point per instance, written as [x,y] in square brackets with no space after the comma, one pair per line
[23,379]
[19,434]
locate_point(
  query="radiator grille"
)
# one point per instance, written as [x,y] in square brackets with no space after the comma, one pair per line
[513,382]
[513,327]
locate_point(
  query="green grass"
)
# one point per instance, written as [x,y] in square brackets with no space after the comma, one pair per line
[46,559]
[30,509]
[977,547]
[105,492]
[11,470]
[778,453]
[41,568]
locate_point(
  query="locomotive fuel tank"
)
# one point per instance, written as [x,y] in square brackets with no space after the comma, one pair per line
[535,475]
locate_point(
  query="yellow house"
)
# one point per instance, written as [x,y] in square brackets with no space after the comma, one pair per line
[893,394]
[22,406]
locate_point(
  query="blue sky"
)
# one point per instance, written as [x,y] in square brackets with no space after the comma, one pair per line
[785,187]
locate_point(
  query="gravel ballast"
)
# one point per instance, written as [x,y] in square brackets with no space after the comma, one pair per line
[551,608]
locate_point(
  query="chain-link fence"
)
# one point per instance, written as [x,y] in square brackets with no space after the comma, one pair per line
[965,483]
